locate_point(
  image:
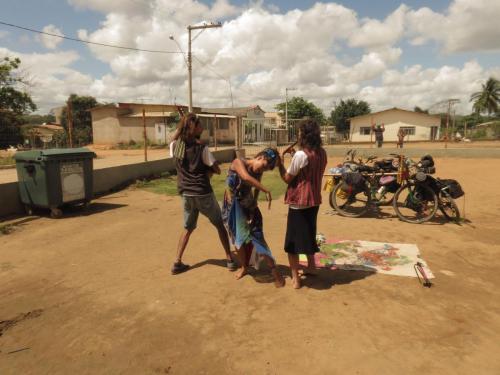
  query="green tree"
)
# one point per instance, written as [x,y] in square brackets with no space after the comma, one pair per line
[488,98]
[420,110]
[13,102]
[299,108]
[37,119]
[345,110]
[82,119]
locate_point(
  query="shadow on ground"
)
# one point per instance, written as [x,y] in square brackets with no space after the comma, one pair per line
[323,279]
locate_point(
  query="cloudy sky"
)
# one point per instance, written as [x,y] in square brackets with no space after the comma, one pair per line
[388,53]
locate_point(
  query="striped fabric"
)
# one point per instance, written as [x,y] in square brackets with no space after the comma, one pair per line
[179,149]
[305,188]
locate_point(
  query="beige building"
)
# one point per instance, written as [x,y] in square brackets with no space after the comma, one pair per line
[418,126]
[123,122]
[252,120]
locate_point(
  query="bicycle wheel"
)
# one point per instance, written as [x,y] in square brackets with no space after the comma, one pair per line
[448,207]
[415,203]
[350,205]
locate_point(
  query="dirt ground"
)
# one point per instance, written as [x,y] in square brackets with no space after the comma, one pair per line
[92,294]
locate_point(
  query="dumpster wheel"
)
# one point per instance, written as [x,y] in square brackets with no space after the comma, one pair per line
[28,209]
[55,213]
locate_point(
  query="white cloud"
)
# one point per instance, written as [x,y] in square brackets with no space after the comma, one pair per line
[374,33]
[416,86]
[327,52]
[51,78]
[467,25]
[48,41]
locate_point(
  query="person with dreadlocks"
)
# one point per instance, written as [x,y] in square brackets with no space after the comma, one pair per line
[303,196]
[241,212]
[194,164]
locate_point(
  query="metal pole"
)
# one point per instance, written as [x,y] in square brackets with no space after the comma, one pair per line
[70,124]
[145,135]
[190,72]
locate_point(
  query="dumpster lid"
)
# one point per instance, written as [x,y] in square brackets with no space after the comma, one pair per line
[54,153]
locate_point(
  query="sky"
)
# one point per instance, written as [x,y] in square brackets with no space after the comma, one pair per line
[388,53]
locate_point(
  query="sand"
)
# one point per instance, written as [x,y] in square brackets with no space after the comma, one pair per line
[102,300]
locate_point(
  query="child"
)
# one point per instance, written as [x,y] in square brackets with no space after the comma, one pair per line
[194,162]
[241,213]
[303,195]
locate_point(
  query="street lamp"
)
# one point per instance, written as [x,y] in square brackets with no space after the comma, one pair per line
[189,61]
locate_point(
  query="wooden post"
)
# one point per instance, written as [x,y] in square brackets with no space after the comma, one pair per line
[216,125]
[145,135]
[447,125]
[371,132]
[69,116]
[465,129]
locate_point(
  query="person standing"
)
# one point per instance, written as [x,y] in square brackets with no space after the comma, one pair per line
[379,134]
[194,164]
[303,196]
[401,138]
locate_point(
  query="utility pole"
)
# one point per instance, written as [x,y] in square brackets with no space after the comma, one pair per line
[190,58]
[286,109]
[70,123]
[145,135]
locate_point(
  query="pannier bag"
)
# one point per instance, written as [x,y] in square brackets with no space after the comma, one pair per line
[353,182]
[453,188]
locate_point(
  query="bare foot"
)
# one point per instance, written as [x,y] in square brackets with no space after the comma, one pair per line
[296,283]
[279,281]
[241,272]
[308,271]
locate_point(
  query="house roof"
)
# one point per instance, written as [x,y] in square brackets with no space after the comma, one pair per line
[151,114]
[236,111]
[55,127]
[126,105]
[393,109]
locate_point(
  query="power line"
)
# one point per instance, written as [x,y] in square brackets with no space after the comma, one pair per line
[205,65]
[85,41]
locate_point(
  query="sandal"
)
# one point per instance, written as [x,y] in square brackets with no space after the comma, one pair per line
[179,267]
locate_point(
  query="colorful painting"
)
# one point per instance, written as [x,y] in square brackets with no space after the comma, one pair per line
[388,258]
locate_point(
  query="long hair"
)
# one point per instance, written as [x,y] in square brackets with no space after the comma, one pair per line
[310,134]
[186,124]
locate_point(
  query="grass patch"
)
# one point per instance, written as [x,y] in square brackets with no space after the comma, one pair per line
[7,160]
[168,185]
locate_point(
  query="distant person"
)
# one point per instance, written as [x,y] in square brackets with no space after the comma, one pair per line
[303,196]
[194,164]
[379,134]
[241,211]
[401,138]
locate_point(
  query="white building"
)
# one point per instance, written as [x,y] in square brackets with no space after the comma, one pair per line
[418,126]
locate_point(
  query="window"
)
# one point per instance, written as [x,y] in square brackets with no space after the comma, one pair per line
[365,130]
[223,123]
[408,130]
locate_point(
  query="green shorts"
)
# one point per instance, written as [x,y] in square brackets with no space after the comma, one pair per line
[206,204]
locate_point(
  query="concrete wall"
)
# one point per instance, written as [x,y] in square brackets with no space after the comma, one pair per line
[393,120]
[105,179]
[105,126]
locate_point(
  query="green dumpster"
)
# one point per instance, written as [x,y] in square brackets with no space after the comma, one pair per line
[54,177]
